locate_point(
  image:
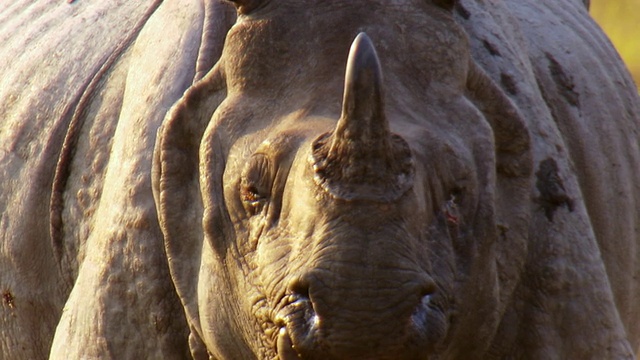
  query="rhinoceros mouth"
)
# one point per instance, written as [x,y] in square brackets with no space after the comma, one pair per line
[296,320]
[284,346]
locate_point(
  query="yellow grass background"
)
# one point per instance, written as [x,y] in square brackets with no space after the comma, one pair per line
[620,19]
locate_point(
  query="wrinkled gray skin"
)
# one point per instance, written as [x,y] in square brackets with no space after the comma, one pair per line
[83,90]
[465,189]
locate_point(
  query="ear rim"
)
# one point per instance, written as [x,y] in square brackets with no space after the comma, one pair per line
[219,18]
[511,135]
[514,175]
[176,185]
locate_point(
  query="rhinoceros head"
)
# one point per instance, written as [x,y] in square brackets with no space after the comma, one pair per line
[343,216]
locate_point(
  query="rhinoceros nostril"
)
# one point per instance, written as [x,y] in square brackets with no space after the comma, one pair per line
[426,294]
[300,288]
[424,288]
[299,314]
[421,313]
[427,287]
[298,322]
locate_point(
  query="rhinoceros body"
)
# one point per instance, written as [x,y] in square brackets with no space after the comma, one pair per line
[465,189]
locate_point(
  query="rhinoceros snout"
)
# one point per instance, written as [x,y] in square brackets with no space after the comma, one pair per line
[392,316]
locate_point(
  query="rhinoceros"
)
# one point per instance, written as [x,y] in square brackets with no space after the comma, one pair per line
[320,179]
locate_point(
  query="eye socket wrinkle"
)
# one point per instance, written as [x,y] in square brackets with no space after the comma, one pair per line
[255,184]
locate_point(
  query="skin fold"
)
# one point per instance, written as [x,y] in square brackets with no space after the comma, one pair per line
[320,179]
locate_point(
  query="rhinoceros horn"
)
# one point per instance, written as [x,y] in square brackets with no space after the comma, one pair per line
[361,159]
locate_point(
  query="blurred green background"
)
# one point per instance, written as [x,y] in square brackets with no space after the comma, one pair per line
[620,19]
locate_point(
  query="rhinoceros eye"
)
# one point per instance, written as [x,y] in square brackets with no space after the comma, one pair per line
[252,198]
[255,185]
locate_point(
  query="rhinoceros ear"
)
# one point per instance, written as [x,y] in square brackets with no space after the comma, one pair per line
[177,191]
[514,168]
[219,17]
[512,141]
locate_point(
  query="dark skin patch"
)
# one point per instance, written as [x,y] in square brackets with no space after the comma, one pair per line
[491,48]
[563,80]
[462,11]
[552,191]
[508,84]
[8,299]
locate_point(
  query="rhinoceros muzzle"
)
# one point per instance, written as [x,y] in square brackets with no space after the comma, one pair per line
[302,336]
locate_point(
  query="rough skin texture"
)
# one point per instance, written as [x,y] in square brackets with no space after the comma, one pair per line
[84,87]
[159,196]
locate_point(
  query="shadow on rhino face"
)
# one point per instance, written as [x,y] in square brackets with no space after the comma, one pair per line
[344,216]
